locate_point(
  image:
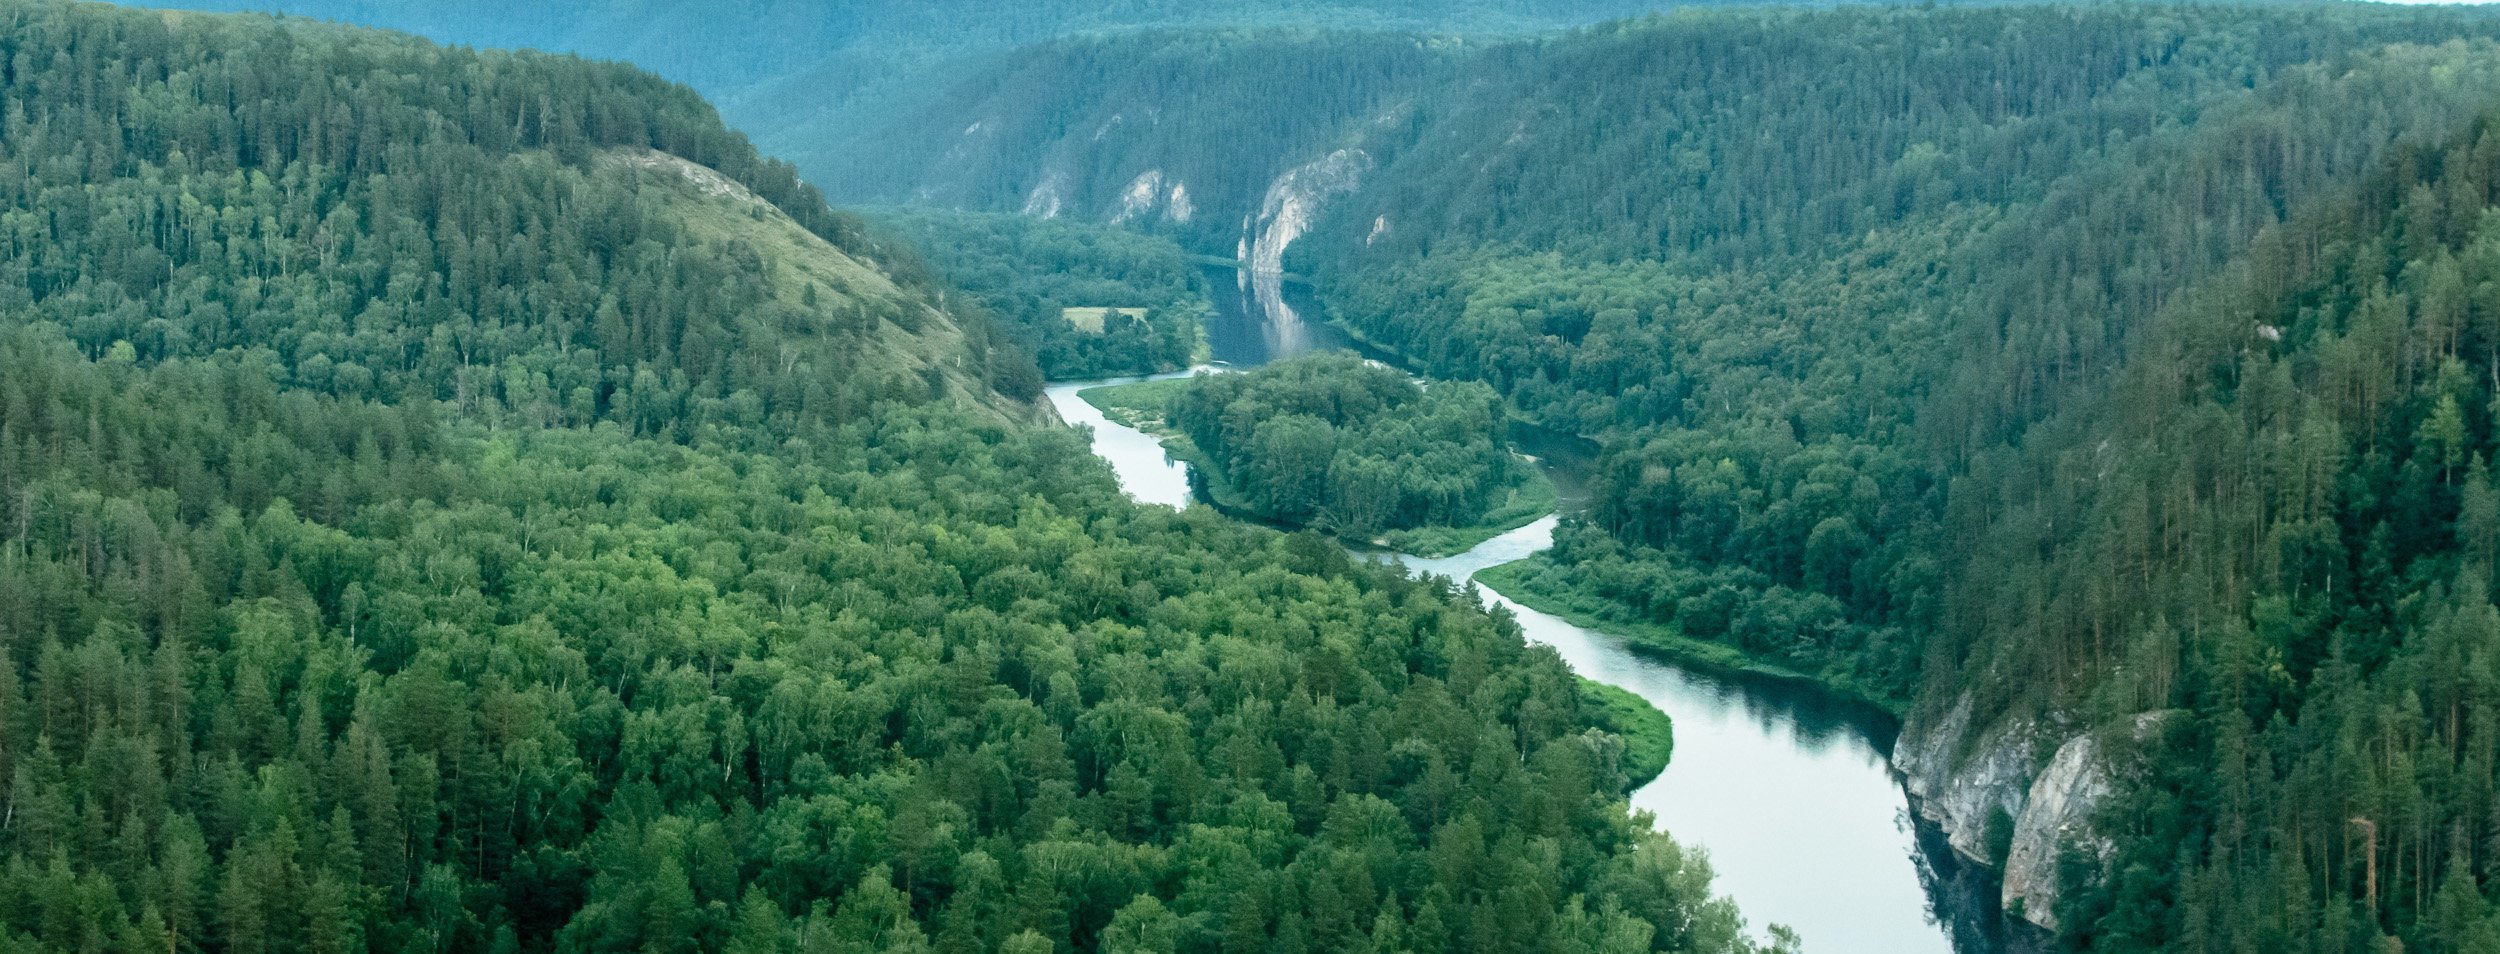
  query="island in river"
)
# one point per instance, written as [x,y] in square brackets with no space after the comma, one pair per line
[1347,447]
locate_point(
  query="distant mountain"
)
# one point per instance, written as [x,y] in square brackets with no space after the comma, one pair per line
[804,78]
[722,48]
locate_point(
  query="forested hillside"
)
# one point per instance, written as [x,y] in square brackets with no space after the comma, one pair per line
[1788,409]
[2056,373]
[456,501]
[1087,301]
[2277,526]
[825,84]
[1825,370]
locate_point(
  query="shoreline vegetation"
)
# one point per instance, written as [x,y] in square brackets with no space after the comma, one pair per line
[1527,583]
[1146,405]
[1648,733]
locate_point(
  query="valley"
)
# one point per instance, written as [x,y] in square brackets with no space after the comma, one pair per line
[1790,789]
[2039,454]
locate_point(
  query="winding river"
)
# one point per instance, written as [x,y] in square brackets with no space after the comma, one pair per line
[1791,792]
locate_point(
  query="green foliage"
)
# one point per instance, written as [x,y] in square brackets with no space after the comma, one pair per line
[1648,735]
[2324,623]
[1027,272]
[468,502]
[2169,389]
[1347,446]
[534,241]
[1999,837]
[1547,586]
[2091,361]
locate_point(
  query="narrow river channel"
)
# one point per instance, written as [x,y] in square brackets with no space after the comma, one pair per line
[1791,792]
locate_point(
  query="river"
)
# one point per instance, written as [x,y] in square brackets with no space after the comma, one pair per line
[1790,791]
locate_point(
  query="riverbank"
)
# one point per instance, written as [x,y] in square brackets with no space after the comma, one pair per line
[1141,405]
[1648,734]
[1788,786]
[1520,582]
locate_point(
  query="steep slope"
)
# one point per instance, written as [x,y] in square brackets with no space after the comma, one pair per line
[2262,558]
[457,501]
[1853,336]
[1172,132]
[897,331]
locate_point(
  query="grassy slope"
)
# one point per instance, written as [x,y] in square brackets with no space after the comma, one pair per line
[1141,405]
[923,340]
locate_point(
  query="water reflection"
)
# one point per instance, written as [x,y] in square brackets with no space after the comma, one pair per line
[1257,320]
[1145,471]
[1789,790]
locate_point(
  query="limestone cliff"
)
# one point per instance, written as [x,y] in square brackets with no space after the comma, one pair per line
[1294,203]
[2057,811]
[1964,774]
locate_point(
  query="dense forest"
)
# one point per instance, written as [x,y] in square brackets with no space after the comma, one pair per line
[458,501]
[477,502]
[2071,364]
[1349,447]
[1026,274]
[825,84]
[2173,397]
[2284,548]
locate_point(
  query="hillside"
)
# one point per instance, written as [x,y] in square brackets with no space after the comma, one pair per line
[821,83]
[1922,372]
[2265,552]
[470,501]
[1088,301]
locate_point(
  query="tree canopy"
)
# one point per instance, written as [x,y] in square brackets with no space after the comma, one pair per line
[468,501]
[1350,446]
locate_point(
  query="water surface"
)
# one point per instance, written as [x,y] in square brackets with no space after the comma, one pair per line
[1789,790]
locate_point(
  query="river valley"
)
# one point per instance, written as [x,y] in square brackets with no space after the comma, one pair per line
[1789,790]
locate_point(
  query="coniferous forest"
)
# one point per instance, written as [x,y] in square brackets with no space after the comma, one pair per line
[463,500]
[470,501]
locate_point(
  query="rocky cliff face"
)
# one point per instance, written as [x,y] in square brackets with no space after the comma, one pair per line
[1294,203]
[1969,775]
[1962,773]
[2056,812]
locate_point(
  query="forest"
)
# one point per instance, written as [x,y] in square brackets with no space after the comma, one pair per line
[827,85]
[2112,368]
[470,501]
[439,513]
[1025,274]
[2334,675]
[1347,447]
[2101,414]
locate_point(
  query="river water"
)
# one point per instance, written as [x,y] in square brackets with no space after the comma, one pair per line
[1789,791]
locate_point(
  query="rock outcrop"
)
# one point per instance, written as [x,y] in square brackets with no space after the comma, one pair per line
[2057,811]
[1295,200]
[1971,778]
[1961,782]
